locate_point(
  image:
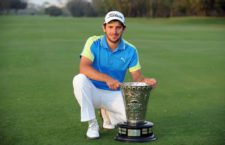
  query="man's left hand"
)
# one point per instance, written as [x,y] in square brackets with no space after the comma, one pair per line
[150,81]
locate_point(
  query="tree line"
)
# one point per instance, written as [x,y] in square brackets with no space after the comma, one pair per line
[148,8]
[130,8]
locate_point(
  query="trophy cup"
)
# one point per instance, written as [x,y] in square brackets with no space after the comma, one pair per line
[136,129]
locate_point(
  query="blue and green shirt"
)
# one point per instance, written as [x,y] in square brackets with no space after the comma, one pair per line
[113,63]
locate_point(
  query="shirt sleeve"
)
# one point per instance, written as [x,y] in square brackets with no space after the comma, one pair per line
[134,64]
[87,52]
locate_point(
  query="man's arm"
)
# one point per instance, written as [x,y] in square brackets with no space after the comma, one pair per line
[137,76]
[87,69]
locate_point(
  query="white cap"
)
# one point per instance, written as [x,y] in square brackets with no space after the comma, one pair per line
[114,15]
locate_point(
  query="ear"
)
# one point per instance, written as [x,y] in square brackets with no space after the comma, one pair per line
[124,28]
[103,27]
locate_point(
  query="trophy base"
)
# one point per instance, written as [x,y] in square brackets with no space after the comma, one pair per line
[138,133]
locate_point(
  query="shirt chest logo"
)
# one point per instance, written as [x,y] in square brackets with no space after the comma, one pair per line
[123,59]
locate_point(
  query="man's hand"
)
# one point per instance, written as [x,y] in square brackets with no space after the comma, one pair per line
[138,77]
[113,84]
[150,81]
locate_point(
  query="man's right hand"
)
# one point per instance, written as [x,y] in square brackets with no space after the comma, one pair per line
[113,84]
[87,69]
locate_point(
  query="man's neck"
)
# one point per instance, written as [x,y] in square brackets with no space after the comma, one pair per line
[112,45]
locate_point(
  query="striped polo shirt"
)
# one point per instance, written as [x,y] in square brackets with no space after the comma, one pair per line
[113,63]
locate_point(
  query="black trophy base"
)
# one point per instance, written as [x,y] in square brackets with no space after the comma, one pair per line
[137,133]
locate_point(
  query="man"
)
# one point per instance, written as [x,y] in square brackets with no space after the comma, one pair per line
[103,65]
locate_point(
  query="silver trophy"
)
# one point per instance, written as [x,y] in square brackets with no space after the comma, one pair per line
[136,129]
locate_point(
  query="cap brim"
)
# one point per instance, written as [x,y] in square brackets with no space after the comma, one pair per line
[114,19]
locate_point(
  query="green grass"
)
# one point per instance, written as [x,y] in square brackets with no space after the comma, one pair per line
[40,55]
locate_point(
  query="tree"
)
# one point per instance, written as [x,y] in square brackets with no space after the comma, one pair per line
[100,7]
[81,8]
[53,11]
[4,5]
[213,7]
[7,5]
[17,4]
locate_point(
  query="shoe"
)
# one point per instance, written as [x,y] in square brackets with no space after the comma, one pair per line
[93,130]
[108,125]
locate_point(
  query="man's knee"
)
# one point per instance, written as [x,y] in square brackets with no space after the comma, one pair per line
[79,79]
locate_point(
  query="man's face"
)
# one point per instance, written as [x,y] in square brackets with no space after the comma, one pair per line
[113,31]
